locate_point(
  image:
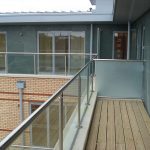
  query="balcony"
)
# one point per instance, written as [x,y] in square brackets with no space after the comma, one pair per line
[101,107]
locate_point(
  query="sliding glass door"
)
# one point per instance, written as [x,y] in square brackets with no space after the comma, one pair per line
[45,48]
[61,52]
[120,45]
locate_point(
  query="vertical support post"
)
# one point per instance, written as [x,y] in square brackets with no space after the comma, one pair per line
[34,64]
[65,65]
[61,122]
[88,85]
[92,63]
[48,126]
[6,64]
[98,40]
[91,41]
[79,100]
[129,35]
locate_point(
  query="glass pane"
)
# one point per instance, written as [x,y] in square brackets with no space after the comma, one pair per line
[76,63]
[2,42]
[61,42]
[120,45]
[70,113]
[43,131]
[2,62]
[45,42]
[60,61]
[45,63]
[39,130]
[84,90]
[77,42]
[20,63]
[53,123]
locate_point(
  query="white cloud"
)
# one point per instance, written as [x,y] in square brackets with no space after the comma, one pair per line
[44,5]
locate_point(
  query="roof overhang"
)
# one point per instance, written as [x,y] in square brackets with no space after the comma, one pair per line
[130,10]
[54,17]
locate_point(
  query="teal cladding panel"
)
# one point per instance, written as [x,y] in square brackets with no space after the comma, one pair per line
[20,64]
[145,21]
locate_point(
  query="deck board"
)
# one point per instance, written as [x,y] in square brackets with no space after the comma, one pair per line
[142,127]
[102,134]
[110,127]
[94,129]
[129,141]
[119,125]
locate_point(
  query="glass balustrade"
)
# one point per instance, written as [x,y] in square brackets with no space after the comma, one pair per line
[57,121]
[42,63]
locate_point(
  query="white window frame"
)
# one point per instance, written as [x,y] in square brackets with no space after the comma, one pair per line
[53,48]
[5,53]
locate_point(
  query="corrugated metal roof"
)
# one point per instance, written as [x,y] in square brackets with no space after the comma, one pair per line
[46,12]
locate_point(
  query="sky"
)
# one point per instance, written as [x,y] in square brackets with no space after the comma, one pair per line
[44,5]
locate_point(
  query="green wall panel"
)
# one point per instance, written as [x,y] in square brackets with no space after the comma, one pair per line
[20,64]
[145,21]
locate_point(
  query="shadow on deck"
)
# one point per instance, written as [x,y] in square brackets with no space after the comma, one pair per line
[119,125]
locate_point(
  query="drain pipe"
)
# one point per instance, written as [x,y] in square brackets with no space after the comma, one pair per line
[21,85]
[129,35]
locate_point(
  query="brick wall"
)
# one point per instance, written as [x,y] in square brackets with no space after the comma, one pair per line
[37,90]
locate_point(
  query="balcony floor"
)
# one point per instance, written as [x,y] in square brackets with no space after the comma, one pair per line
[119,125]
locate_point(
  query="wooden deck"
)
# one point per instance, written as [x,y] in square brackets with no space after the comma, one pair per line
[119,125]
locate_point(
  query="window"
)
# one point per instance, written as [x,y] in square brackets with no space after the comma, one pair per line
[45,46]
[77,46]
[45,128]
[63,52]
[2,51]
[120,45]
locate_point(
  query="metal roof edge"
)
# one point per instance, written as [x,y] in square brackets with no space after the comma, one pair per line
[58,17]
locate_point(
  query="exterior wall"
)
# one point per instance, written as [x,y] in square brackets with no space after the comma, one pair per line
[106,39]
[38,89]
[145,21]
[23,38]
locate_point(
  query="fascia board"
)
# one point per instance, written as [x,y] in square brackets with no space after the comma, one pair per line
[45,18]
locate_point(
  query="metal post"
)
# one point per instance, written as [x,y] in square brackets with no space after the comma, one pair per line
[65,65]
[91,41]
[48,126]
[92,75]
[79,100]
[61,122]
[129,32]
[88,85]
[34,64]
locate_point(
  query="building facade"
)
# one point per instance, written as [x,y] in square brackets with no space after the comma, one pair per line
[47,53]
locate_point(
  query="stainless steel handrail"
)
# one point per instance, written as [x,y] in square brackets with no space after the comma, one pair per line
[17,131]
[30,53]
